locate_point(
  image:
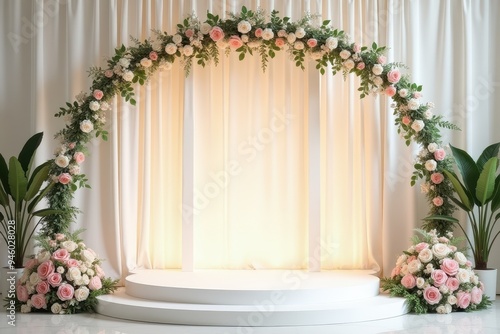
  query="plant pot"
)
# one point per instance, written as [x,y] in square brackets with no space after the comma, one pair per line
[9,278]
[489,279]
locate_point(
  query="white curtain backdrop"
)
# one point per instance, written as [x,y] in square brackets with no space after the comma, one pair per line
[250,129]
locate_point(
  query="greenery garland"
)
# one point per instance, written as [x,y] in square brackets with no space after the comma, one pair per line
[246,33]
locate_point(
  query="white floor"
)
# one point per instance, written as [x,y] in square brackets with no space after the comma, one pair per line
[480,322]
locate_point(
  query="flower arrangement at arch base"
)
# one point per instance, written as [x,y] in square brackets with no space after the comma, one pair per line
[433,275]
[64,277]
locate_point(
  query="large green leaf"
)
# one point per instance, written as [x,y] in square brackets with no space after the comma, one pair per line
[17,181]
[495,201]
[463,193]
[40,175]
[488,153]
[39,197]
[4,198]
[28,151]
[4,174]
[486,183]
[468,169]
[45,212]
[446,218]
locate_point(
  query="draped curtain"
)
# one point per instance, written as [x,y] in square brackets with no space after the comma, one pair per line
[250,129]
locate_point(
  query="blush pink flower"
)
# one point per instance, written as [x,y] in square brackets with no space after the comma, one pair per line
[153,55]
[381,60]
[417,95]
[409,281]
[437,201]
[390,91]
[439,277]
[64,178]
[45,269]
[189,33]
[98,94]
[39,301]
[432,295]
[356,48]
[361,66]
[449,266]
[216,33]
[42,287]
[476,295]
[65,292]
[395,272]
[463,299]
[421,246]
[79,157]
[60,255]
[235,42]
[439,154]
[70,263]
[312,42]
[406,120]
[22,293]
[452,283]
[394,76]
[280,42]
[108,73]
[258,32]
[30,263]
[95,283]
[437,178]
[54,279]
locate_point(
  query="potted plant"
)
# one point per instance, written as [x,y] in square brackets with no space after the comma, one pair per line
[20,193]
[478,194]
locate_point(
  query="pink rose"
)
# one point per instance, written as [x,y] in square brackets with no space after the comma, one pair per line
[54,279]
[449,266]
[394,76]
[381,60]
[280,42]
[421,246]
[38,301]
[437,201]
[361,66]
[22,293]
[98,271]
[439,277]
[71,146]
[216,34]
[153,55]
[452,283]
[395,272]
[98,94]
[60,255]
[189,33]
[60,236]
[65,292]
[476,295]
[468,264]
[70,263]
[64,178]
[437,178]
[406,120]
[417,95]
[409,281]
[463,299]
[42,287]
[95,283]
[258,32]
[432,295]
[108,73]
[235,42]
[356,48]
[45,269]
[411,258]
[390,91]
[79,157]
[439,154]
[312,42]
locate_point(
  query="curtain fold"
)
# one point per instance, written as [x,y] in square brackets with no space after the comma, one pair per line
[251,134]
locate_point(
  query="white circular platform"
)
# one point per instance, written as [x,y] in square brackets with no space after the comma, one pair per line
[251,298]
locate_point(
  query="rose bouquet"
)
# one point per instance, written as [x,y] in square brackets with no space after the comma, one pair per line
[435,276]
[64,277]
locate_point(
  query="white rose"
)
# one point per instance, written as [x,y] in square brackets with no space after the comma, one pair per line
[440,309]
[460,258]
[401,259]
[418,125]
[420,282]
[440,250]
[83,268]
[300,32]
[444,289]
[25,308]
[344,54]
[177,39]
[431,165]
[87,256]
[474,279]
[171,48]
[244,38]
[62,161]
[69,245]
[124,62]
[377,81]
[425,187]
[404,269]
[244,27]
[94,106]
[432,147]
[146,62]
[188,50]
[156,45]
[90,272]
[463,275]
[425,255]
[281,33]
[331,43]
[86,126]
[34,278]
[82,293]
[403,92]
[377,69]
[60,270]
[413,104]
[298,45]
[267,34]
[128,75]
[105,106]
[43,256]
[205,28]
[73,274]
[221,44]
[291,38]
[428,114]
[56,308]
[85,279]
[414,266]
[78,281]
[452,300]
